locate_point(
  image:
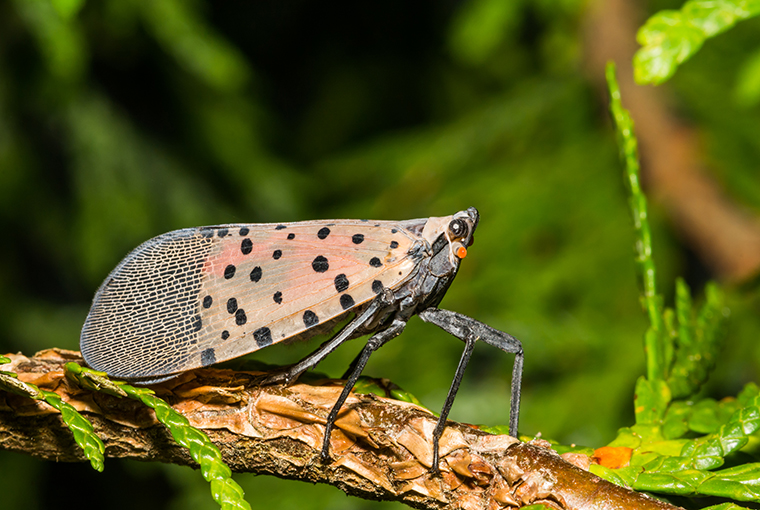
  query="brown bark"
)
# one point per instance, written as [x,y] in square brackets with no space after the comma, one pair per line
[725,236]
[381,448]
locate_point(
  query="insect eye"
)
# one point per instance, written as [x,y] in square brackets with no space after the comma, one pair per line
[458,229]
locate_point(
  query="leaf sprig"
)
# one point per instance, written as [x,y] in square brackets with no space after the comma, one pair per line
[679,441]
[224,489]
[80,427]
[671,37]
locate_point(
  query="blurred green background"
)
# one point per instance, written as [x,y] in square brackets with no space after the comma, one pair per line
[123,119]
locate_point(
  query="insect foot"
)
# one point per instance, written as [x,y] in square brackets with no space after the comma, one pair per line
[284,376]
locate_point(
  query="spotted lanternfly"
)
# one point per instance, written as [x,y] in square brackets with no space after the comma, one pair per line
[194,297]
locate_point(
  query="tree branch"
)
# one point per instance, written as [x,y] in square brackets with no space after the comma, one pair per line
[381,447]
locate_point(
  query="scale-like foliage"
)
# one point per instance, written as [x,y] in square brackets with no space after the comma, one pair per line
[682,346]
[224,489]
[80,427]
[671,37]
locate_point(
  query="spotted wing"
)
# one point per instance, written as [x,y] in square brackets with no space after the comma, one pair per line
[193,297]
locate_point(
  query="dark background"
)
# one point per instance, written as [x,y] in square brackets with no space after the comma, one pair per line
[120,120]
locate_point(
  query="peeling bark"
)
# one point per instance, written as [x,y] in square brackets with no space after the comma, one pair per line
[381,448]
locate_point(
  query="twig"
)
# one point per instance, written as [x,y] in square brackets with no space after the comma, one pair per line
[381,447]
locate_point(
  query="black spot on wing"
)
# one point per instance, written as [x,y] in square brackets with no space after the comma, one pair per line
[346,301]
[323,233]
[263,337]
[229,271]
[208,357]
[341,282]
[310,318]
[246,246]
[320,264]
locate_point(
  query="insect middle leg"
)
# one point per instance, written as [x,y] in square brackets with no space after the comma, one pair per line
[375,342]
[469,331]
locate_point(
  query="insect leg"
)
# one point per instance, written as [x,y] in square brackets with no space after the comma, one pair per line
[374,343]
[469,330]
[291,373]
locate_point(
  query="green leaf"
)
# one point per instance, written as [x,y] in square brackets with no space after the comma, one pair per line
[748,393]
[81,428]
[725,506]
[11,383]
[652,398]
[741,483]
[224,490]
[623,477]
[92,380]
[405,396]
[707,415]
[676,421]
[366,385]
[656,337]
[669,38]
[628,438]
[680,482]
[708,452]
[84,434]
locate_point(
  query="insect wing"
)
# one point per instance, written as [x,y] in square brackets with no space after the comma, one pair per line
[193,297]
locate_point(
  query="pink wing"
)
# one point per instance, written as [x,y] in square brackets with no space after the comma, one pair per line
[194,297]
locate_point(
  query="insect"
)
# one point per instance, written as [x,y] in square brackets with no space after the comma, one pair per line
[194,297]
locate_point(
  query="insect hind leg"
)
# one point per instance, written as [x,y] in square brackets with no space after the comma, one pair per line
[469,331]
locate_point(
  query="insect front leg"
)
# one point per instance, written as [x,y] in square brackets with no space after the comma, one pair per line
[469,330]
[375,342]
